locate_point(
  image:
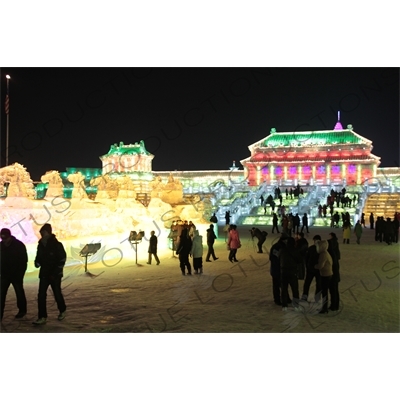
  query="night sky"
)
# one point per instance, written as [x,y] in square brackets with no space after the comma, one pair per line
[189,118]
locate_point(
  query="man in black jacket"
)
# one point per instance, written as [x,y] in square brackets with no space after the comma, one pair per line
[184,248]
[50,258]
[13,263]
[275,271]
[289,258]
[334,252]
[312,272]
[210,243]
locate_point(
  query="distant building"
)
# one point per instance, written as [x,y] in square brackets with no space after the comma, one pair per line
[338,156]
[127,159]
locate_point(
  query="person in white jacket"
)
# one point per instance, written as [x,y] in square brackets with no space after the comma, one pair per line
[197,252]
[325,269]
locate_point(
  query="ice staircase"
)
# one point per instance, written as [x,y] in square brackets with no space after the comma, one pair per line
[258,216]
[382,205]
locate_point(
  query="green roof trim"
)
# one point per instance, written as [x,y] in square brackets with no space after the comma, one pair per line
[313,138]
[128,149]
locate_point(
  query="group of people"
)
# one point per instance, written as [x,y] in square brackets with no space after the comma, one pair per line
[176,230]
[290,223]
[292,258]
[192,246]
[50,259]
[387,230]
[338,198]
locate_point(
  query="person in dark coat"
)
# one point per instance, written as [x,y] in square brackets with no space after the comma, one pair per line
[304,220]
[261,236]
[362,220]
[275,270]
[311,272]
[296,223]
[214,219]
[289,258]
[334,252]
[13,264]
[302,246]
[227,217]
[371,221]
[184,248]
[210,243]
[388,231]
[50,258]
[275,223]
[396,223]
[379,227]
[153,241]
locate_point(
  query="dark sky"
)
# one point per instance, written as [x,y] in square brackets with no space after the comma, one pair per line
[189,118]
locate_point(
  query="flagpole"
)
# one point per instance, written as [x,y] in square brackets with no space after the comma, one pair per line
[8,117]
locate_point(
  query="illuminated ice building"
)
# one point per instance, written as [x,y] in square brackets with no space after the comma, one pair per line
[317,161]
[126,194]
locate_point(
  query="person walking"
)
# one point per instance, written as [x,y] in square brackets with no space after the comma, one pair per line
[13,264]
[184,248]
[50,258]
[210,243]
[197,252]
[153,241]
[363,220]
[227,217]
[324,266]
[275,223]
[304,220]
[233,243]
[358,231]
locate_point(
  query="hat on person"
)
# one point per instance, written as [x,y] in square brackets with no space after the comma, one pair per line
[47,228]
[5,232]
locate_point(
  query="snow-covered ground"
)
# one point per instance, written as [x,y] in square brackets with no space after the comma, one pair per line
[120,296]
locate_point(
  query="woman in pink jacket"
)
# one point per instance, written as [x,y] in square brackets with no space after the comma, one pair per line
[233,243]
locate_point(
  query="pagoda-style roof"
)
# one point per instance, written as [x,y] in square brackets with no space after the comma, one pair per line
[311,139]
[127,149]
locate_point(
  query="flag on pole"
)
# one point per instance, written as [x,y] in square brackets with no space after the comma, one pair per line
[7,104]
